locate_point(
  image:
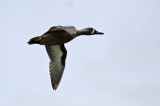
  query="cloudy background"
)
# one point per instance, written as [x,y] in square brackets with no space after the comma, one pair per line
[120,68]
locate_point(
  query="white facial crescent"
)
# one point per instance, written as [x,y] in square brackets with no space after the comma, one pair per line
[93,31]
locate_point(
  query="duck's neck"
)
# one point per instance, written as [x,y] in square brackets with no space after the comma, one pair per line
[83,32]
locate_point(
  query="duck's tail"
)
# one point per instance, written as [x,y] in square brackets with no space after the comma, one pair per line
[35,40]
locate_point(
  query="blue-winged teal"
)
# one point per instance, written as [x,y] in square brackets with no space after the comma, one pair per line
[54,40]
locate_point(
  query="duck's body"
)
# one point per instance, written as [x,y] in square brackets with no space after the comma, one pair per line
[58,36]
[54,40]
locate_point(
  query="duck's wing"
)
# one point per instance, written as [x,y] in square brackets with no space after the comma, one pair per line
[57,55]
[54,28]
[69,29]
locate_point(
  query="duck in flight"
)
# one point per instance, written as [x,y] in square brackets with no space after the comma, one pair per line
[54,40]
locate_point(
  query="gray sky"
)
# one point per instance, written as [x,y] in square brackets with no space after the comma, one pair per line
[120,68]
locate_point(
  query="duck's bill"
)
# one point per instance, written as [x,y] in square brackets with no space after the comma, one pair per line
[100,33]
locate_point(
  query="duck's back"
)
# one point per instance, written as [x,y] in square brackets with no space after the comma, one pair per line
[58,35]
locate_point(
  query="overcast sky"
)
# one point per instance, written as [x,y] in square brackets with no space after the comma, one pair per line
[120,68]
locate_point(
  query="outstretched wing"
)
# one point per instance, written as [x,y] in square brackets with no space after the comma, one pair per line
[57,55]
[54,28]
[69,29]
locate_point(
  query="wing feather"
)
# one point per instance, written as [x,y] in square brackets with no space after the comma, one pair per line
[57,55]
[69,29]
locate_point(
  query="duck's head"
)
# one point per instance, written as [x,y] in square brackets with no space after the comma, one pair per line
[35,40]
[89,31]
